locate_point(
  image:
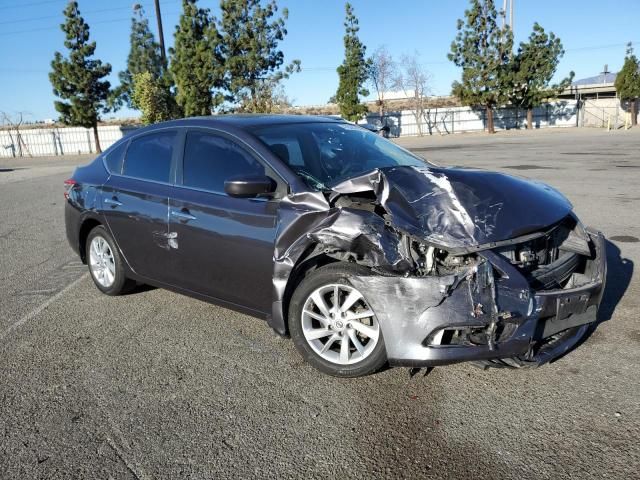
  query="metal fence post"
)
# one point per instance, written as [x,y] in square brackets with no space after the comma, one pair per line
[55,147]
[547,114]
[89,140]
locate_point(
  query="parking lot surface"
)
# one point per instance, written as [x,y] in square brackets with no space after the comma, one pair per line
[158,385]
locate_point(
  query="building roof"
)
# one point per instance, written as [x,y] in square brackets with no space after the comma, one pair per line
[598,79]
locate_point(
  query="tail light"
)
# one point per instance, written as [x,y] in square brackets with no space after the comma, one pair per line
[68,185]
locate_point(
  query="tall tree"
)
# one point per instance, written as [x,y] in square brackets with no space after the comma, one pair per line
[144,55]
[483,50]
[628,83]
[195,61]
[249,36]
[381,75]
[533,66]
[354,71]
[77,79]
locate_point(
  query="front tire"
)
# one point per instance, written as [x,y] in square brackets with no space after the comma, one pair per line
[332,325]
[105,263]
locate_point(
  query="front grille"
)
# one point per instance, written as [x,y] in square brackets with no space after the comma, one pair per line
[555,274]
[549,261]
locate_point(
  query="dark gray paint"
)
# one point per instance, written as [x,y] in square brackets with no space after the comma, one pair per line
[226,250]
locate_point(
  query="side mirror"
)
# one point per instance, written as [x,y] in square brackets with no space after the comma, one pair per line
[249,186]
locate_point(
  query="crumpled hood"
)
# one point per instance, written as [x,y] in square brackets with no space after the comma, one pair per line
[460,208]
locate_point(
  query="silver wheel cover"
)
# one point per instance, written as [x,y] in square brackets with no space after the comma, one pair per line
[339,325]
[101,262]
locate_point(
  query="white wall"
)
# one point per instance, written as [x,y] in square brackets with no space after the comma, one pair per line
[69,141]
[40,142]
[466,119]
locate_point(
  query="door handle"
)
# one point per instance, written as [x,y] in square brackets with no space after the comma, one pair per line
[182,214]
[113,202]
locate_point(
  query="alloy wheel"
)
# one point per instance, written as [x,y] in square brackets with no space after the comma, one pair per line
[339,325]
[102,262]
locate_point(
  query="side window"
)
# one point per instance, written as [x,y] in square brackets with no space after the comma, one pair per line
[209,160]
[113,159]
[149,157]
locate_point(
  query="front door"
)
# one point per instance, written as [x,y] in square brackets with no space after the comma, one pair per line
[223,245]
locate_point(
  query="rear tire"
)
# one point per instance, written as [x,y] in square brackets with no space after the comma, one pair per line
[342,338]
[105,263]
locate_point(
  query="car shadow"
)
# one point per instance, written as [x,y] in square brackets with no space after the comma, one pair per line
[140,288]
[619,274]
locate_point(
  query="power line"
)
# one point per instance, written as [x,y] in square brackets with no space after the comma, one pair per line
[599,47]
[57,27]
[83,12]
[35,19]
[32,4]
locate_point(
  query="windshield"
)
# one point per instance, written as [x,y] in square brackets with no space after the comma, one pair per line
[324,154]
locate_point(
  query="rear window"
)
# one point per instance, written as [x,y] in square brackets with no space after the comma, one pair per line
[149,157]
[113,159]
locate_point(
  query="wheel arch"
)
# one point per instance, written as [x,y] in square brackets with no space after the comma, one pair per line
[87,225]
[312,259]
[335,272]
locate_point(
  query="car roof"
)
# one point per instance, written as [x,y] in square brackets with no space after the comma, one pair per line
[246,121]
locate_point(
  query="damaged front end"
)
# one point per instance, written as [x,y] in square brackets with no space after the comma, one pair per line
[464,265]
[490,308]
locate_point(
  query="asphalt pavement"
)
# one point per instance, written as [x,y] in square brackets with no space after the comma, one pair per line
[158,385]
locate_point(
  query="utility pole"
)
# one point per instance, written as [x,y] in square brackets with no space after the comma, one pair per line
[507,11]
[605,73]
[161,34]
[511,2]
[504,14]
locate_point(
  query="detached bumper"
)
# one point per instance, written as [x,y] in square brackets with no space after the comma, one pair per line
[418,315]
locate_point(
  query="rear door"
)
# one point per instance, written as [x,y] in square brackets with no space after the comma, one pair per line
[135,202]
[224,245]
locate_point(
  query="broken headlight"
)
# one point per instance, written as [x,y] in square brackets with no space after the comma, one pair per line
[431,260]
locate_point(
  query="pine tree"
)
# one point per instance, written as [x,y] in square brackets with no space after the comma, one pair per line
[195,61]
[354,71]
[144,55]
[534,66]
[77,80]
[483,50]
[249,47]
[628,83]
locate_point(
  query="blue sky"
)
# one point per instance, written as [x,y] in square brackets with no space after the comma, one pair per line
[593,33]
